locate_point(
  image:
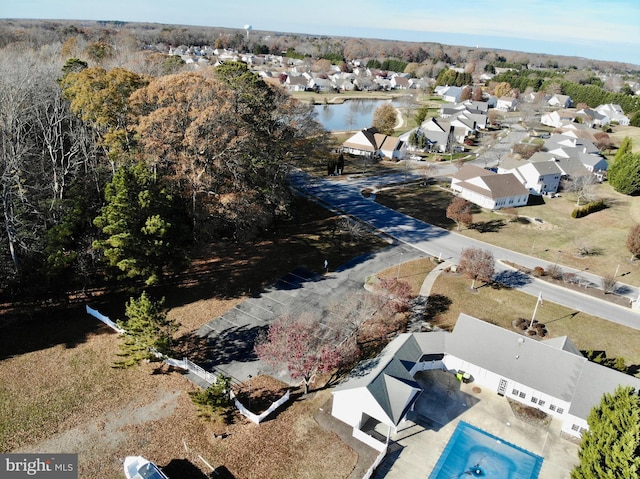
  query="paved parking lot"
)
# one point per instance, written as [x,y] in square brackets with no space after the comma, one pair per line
[232,336]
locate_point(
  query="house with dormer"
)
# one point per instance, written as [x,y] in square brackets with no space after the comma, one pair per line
[383,390]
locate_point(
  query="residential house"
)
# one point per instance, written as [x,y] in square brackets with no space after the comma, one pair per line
[506,103]
[370,143]
[436,141]
[459,132]
[579,130]
[451,94]
[592,118]
[400,83]
[296,83]
[383,390]
[488,189]
[571,167]
[562,101]
[558,118]
[614,112]
[540,178]
[320,84]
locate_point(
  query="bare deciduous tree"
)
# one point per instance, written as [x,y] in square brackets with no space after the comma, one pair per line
[477,263]
[633,241]
[609,284]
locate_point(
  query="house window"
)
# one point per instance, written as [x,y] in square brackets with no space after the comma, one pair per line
[541,402]
[515,392]
[559,410]
[552,408]
[534,400]
[575,427]
[522,394]
[583,430]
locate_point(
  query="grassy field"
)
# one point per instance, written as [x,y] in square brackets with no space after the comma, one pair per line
[620,132]
[556,239]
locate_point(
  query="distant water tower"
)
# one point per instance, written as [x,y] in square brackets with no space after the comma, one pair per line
[248,27]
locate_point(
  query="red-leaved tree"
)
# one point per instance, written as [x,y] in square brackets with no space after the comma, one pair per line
[304,347]
[459,210]
[392,296]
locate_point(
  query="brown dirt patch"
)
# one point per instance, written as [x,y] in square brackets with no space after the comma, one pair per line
[530,415]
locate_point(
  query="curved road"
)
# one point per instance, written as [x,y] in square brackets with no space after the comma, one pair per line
[346,197]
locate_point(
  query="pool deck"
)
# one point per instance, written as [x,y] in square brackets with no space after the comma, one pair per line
[421,439]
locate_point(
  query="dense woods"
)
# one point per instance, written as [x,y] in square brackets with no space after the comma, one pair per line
[108,173]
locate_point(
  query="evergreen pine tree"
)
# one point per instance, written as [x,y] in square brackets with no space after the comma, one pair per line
[148,332]
[625,147]
[610,449]
[624,174]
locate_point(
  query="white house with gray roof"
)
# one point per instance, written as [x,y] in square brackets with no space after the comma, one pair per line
[488,189]
[549,375]
[538,177]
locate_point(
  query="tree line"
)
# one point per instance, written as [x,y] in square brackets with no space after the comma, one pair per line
[108,173]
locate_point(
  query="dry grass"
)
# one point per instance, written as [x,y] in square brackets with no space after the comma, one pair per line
[502,306]
[620,132]
[558,238]
[413,272]
[59,393]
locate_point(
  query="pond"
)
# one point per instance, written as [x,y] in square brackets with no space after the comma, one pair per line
[350,115]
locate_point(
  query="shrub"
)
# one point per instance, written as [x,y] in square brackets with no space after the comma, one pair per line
[555,271]
[538,271]
[588,209]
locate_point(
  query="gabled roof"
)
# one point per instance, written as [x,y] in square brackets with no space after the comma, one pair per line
[469,171]
[543,168]
[387,377]
[504,186]
[554,366]
[519,358]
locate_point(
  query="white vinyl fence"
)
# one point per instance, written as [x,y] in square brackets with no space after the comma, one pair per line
[96,314]
[190,366]
[258,418]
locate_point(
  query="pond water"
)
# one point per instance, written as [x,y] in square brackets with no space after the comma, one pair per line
[350,115]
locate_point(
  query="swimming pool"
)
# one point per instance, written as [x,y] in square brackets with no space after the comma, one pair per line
[472,452]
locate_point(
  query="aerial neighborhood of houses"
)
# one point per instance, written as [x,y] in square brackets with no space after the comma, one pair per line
[567,152]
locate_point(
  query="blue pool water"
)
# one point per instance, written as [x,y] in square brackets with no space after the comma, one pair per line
[472,452]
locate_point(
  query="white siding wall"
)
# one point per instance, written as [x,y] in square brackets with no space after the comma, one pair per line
[514,390]
[574,426]
[349,406]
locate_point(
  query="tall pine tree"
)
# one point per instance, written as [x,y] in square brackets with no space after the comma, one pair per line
[145,233]
[610,449]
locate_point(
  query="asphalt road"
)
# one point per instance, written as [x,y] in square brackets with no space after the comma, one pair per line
[345,197]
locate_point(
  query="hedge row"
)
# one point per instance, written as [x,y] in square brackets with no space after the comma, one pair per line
[588,209]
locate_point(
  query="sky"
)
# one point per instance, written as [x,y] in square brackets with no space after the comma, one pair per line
[595,29]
